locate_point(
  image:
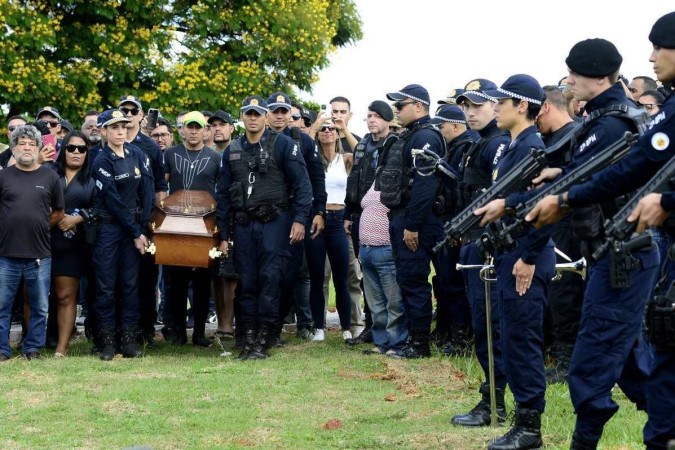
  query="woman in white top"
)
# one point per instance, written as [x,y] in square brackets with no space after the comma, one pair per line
[333,241]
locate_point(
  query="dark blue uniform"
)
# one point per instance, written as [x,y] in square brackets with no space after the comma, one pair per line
[522,317]
[261,250]
[651,151]
[608,350]
[293,276]
[123,204]
[412,268]
[495,142]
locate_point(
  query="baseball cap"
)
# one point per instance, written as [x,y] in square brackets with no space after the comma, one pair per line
[279,100]
[451,98]
[520,86]
[449,114]
[254,103]
[474,91]
[110,117]
[411,91]
[221,115]
[194,117]
[50,110]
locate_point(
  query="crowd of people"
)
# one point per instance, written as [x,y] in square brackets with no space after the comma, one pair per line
[300,199]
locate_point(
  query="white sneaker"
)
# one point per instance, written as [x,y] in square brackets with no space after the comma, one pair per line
[356,331]
[319,335]
[346,335]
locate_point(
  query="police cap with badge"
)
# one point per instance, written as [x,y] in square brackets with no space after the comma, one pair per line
[413,92]
[449,114]
[521,87]
[279,100]
[474,91]
[254,103]
[451,98]
[110,117]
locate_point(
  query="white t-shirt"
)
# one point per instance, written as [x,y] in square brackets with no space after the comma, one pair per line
[336,181]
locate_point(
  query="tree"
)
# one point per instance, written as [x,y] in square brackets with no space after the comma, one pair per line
[174,54]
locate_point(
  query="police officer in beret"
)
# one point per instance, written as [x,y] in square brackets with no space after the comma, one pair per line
[279,105]
[414,228]
[453,316]
[263,179]
[523,274]
[476,168]
[608,348]
[123,205]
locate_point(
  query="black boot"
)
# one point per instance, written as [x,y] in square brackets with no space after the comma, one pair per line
[562,355]
[458,344]
[249,343]
[417,347]
[579,443]
[129,343]
[106,344]
[524,434]
[365,337]
[264,342]
[199,340]
[147,338]
[479,416]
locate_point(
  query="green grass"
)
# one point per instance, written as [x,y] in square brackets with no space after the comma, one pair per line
[194,398]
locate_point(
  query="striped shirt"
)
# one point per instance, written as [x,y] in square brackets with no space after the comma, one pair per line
[374,223]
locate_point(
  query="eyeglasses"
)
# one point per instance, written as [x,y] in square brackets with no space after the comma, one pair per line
[400,105]
[296,116]
[52,124]
[126,111]
[324,129]
[72,148]
[157,136]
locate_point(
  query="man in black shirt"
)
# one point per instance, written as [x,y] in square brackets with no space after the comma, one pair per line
[31,201]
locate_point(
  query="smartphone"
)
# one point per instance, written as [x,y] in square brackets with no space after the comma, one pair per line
[153,114]
[49,139]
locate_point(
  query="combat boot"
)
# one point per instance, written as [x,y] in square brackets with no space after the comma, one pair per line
[579,443]
[263,343]
[248,344]
[525,433]
[106,344]
[458,343]
[479,416]
[562,355]
[129,343]
[417,347]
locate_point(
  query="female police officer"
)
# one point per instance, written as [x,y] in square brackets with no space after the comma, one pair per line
[125,195]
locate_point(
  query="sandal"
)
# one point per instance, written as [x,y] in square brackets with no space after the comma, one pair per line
[225,334]
[59,355]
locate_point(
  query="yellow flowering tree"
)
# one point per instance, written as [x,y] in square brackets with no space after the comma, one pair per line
[174,54]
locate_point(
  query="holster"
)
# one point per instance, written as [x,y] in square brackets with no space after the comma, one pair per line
[660,320]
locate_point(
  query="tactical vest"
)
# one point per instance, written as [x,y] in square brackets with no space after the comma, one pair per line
[393,178]
[362,174]
[474,178]
[256,171]
[446,202]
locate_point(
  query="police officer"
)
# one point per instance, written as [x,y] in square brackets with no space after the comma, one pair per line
[414,228]
[279,105]
[523,274]
[359,181]
[476,170]
[263,179]
[122,175]
[453,317]
[611,317]
[149,272]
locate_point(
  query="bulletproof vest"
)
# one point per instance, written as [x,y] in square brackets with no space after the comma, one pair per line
[474,179]
[446,201]
[637,117]
[393,178]
[295,135]
[362,174]
[258,174]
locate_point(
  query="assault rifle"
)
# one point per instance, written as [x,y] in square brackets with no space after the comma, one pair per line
[517,179]
[504,238]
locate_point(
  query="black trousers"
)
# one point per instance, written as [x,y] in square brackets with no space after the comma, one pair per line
[178,293]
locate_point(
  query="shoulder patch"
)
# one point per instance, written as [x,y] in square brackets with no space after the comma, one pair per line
[235,156]
[104,172]
[99,185]
[660,141]
[591,139]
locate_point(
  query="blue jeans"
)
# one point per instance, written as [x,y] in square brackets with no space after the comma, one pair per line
[389,329]
[36,274]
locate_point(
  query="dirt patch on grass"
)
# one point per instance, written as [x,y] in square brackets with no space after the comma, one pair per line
[447,440]
[122,407]
[27,398]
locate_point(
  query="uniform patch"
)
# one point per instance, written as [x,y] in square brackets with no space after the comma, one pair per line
[235,156]
[103,172]
[137,171]
[295,151]
[99,185]
[495,174]
[660,141]
[120,177]
[587,142]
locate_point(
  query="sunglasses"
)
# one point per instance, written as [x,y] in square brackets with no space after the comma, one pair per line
[401,104]
[52,124]
[296,116]
[324,129]
[126,111]
[72,148]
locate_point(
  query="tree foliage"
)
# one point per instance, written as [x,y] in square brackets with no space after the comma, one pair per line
[174,54]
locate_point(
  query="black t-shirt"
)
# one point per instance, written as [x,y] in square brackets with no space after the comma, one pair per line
[345,145]
[192,170]
[27,198]
[77,195]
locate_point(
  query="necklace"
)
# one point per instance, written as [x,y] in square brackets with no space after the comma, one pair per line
[187,155]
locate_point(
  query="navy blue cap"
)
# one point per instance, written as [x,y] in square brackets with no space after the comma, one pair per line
[48,109]
[594,58]
[411,91]
[474,91]
[520,86]
[110,117]
[663,31]
[255,103]
[451,98]
[130,99]
[66,125]
[279,100]
[449,114]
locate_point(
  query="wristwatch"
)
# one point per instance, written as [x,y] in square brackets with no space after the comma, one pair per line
[321,213]
[562,201]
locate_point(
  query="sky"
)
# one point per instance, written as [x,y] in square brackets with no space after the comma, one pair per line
[444,44]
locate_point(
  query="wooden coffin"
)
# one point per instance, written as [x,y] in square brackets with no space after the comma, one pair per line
[185,229]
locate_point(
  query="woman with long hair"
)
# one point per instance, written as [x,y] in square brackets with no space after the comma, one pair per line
[333,241]
[70,252]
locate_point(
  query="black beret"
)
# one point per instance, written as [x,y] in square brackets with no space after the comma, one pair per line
[382,109]
[594,58]
[663,31]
